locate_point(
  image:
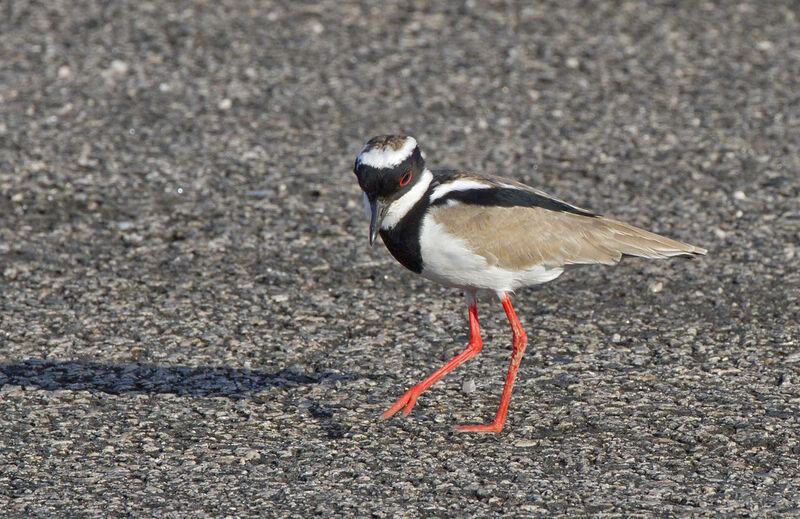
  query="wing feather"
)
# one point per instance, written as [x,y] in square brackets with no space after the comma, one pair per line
[522,237]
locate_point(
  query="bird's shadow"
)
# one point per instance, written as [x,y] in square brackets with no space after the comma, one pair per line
[117,379]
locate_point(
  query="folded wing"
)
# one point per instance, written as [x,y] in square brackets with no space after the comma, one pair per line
[520,237]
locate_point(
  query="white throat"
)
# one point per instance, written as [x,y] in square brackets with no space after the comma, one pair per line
[400,207]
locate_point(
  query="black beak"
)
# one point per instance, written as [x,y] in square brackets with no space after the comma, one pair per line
[376,214]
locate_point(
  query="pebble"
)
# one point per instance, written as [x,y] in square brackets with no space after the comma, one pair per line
[792,357]
[119,67]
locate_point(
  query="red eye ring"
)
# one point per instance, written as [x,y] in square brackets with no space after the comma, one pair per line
[406,178]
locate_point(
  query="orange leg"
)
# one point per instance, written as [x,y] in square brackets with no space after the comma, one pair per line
[520,340]
[408,400]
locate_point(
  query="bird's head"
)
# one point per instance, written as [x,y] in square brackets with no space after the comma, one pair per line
[387,167]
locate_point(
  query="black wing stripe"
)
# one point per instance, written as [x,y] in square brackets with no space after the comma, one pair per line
[508,197]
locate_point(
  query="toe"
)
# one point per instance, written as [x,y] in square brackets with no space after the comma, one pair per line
[488,428]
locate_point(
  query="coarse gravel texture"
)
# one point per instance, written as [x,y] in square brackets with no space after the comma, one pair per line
[193,325]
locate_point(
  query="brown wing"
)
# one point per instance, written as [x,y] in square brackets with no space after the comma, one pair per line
[522,237]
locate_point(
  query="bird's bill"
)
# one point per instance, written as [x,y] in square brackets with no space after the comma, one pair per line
[377,211]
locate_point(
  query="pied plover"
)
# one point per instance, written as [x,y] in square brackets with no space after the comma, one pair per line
[479,232]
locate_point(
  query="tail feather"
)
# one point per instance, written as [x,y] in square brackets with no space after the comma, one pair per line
[633,241]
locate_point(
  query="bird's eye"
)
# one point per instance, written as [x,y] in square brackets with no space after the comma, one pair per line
[405,179]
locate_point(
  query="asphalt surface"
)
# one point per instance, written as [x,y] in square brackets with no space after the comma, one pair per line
[193,325]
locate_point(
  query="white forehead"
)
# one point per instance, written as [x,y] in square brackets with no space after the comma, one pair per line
[387,157]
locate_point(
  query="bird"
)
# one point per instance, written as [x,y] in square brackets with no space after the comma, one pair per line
[479,233]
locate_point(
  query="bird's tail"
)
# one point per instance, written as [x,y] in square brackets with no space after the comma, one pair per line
[633,241]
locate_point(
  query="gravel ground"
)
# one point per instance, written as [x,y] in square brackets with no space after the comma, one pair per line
[193,325]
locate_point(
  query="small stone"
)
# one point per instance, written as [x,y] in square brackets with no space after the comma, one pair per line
[119,67]
[739,195]
[64,72]
[251,454]
[656,287]
[468,386]
[793,357]
[616,338]
[225,104]
[765,45]
[11,389]
[572,62]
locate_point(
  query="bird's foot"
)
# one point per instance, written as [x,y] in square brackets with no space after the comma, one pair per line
[494,427]
[406,402]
